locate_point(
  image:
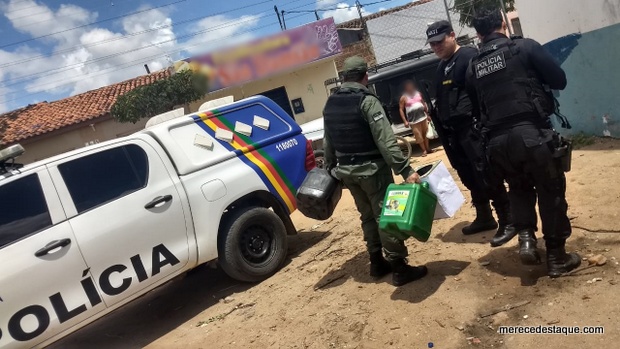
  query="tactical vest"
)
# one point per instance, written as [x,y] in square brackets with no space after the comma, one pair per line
[509,89]
[454,104]
[347,129]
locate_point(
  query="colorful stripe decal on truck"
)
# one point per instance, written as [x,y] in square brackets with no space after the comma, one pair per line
[266,168]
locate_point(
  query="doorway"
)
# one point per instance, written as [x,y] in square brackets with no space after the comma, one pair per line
[280,97]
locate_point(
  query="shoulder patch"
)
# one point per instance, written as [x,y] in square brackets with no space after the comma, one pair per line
[378,116]
[490,64]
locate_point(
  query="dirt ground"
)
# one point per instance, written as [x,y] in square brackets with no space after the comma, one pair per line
[323,297]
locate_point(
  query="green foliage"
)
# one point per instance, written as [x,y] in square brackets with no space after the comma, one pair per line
[467,8]
[581,140]
[159,97]
[210,320]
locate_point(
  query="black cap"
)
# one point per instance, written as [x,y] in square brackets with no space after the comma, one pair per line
[438,30]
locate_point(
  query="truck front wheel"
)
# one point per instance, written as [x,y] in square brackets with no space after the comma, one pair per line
[252,245]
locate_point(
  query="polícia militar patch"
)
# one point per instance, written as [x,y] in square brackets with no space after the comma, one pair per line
[491,64]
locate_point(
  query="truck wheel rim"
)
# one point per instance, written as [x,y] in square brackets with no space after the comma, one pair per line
[256,245]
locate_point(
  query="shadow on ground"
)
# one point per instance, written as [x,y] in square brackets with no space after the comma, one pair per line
[420,290]
[455,235]
[505,261]
[357,268]
[155,314]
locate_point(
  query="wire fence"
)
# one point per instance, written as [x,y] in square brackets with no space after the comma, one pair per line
[401,32]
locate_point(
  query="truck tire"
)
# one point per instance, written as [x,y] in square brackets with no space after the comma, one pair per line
[405,146]
[253,244]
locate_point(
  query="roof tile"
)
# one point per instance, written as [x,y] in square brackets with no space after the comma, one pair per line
[40,118]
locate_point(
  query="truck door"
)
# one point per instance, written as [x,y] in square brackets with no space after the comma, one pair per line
[126,214]
[45,285]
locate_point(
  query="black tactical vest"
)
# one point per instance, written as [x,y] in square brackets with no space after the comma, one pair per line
[454,106]
[509,90]
[348,131]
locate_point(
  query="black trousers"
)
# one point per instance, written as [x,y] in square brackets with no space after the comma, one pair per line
[466,154]
[523,156]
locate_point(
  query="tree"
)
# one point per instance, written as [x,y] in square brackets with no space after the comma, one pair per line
[467,8]
[159,97]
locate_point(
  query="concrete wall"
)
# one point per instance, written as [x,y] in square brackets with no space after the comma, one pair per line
[58,143]
[307,83]
[583,36]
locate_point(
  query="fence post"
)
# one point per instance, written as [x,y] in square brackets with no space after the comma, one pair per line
[445,2]
[503,7]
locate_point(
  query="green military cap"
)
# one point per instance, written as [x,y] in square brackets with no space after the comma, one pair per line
[355,64]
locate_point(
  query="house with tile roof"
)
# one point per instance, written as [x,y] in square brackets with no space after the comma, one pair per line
[50,128]
[283,67]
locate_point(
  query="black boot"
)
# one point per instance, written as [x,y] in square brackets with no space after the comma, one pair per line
[484,220]
[378,265]
[402,273]
[506,231]
[560,262]
[527,247]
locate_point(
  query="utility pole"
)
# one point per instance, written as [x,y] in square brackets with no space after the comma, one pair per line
[359,11]
[505,14]
[283,20]
[445,2]
[148,71]
[278,14]
[317,15]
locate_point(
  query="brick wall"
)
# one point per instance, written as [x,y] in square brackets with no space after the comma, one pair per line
[361,48]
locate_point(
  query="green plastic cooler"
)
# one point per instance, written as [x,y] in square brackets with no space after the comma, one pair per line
[408,211]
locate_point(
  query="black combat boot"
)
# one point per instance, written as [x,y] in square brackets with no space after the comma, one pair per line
[378,265]
[484,220]
[402,273]
[527,247]
[506,231]
[560,262]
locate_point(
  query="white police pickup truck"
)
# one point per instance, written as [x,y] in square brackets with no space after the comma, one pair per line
[86,232]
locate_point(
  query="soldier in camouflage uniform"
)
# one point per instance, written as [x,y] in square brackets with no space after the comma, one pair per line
[361,150]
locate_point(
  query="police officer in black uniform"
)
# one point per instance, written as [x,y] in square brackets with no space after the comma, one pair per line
[510,76]
[456,122]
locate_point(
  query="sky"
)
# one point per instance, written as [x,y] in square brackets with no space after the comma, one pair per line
[52,49]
